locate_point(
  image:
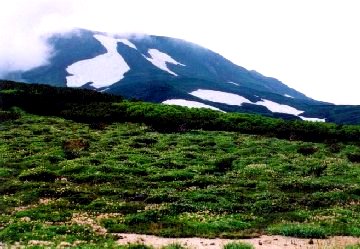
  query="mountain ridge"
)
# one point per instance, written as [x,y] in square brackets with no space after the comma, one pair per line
[162,69]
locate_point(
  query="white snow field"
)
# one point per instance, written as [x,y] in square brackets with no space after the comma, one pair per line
[276,107]
[288,96]
[102,70]
[160,60]
[188,103]
[235,99]
[220,97]
[313,119]
[127,43]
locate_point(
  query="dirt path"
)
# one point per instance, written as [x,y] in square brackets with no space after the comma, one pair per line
[264,242]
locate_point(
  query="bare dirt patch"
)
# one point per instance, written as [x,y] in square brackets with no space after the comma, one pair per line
[263,242]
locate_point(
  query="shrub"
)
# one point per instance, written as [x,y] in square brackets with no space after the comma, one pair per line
[353,247]
[299,230]
[138,246]
[181,207]
[307,150]
[6,116]
[14,231]
[98,125]
[39,174]
[238,245]
[315,170]
[175,175]
[142,218]
[161,198]
[123,208]
[79,197]
[224,164]
[145,140]
[4,173]
[114,226]
[73,147]
[168,164]
[174,246]
[45,213]
[333,146]
[354,157]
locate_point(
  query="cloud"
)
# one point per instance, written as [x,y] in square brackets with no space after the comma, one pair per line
[24,26]
[309,45]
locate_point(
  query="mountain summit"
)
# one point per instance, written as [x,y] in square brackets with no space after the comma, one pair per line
[171,71]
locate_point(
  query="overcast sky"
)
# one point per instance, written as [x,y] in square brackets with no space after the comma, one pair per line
[310,45]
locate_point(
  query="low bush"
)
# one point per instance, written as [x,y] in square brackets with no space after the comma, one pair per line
[353,247]
[145,140]
[39,174]
[173,246]
[43,213]
[315,170]
[238,245]
[299,230]
[354,157]
[143,217]
[224,164]
[14,232]
[333,146]
[6,116]
[307,150]
[138,246]
[73,147]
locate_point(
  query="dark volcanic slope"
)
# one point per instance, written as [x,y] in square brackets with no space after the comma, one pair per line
[163,68]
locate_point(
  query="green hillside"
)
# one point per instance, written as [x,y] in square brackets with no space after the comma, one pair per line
[77,166]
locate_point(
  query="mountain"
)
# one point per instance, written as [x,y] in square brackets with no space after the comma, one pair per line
[172,71]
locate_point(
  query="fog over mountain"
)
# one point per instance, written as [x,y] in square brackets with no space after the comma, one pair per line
[309,45]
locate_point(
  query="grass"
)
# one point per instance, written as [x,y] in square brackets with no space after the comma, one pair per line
[238,245]
[353,247]
[299,230]
[174,246]
[127,177]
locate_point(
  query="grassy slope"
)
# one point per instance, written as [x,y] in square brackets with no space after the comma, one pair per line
[60,180]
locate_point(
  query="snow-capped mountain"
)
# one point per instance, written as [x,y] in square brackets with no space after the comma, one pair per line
[170,71]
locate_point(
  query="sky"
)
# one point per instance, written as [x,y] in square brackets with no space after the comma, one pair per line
[310,45]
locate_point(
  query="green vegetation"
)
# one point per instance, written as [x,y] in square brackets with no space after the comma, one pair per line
[65,181]
[100,109]
[299,230]
[353,247]
[174,246]
[238,245]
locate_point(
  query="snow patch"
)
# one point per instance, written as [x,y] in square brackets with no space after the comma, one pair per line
[127,43]
[234,99]
[276,107]
[188,103]
[313,119]
[220,97]
[234,83]
[102,70]
[104,90]
[160,60]
[288,96]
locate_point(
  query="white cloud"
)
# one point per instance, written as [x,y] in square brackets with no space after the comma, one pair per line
[311,46]
[23,29]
